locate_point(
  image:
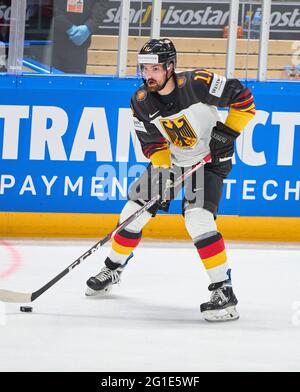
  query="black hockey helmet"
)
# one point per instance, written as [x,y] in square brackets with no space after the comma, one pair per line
[158,51]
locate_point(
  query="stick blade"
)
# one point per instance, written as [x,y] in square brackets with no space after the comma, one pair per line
[14,297]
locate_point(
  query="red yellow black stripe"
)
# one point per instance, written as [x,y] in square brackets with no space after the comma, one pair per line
[212,251]
[125,241]
[244,102]
[155,147]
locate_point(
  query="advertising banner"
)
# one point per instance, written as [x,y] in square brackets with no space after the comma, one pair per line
[67,144]
[179,18]
[204,18]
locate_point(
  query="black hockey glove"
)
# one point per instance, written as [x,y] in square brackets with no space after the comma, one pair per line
[222,142]
[162,184]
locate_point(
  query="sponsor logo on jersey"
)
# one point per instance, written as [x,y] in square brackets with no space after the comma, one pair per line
[153,114]
[217,85]
[139,125]
[180,131]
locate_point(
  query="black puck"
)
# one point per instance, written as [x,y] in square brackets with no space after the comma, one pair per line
[26,309]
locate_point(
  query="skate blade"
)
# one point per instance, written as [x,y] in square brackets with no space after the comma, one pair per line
[227,314]
[97,294]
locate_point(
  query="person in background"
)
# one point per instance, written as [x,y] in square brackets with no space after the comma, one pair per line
[253,23]
[74,21]
[4,33]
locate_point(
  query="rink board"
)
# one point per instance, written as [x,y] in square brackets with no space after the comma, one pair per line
[68,154]
[162,227]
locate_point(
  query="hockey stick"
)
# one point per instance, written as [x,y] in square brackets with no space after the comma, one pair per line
[17,297]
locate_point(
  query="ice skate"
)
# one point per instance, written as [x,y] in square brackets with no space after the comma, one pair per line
[109,275]
[222,304]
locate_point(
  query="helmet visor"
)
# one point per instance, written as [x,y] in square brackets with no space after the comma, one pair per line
[145,59]
[149,59]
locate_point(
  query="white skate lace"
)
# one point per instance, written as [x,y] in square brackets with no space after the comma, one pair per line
[107,273]
[218,295]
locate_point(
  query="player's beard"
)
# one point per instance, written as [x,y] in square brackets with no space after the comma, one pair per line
[154,86]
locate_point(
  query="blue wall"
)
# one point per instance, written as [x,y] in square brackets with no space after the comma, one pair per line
[67,144]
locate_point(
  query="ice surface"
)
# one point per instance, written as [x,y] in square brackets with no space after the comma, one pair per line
[151,322]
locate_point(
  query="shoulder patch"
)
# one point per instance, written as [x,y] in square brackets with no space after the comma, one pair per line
[181,81]
[141,95]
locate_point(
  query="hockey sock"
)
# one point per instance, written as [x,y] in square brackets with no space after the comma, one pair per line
[213,255]
[202,228]
[128,239]
[123,244]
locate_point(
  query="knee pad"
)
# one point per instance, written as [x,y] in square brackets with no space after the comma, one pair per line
[137,225]
[198,222]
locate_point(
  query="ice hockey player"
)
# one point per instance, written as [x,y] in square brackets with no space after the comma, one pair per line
[177,123]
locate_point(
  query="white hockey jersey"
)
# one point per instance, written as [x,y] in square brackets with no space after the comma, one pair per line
[184,126]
